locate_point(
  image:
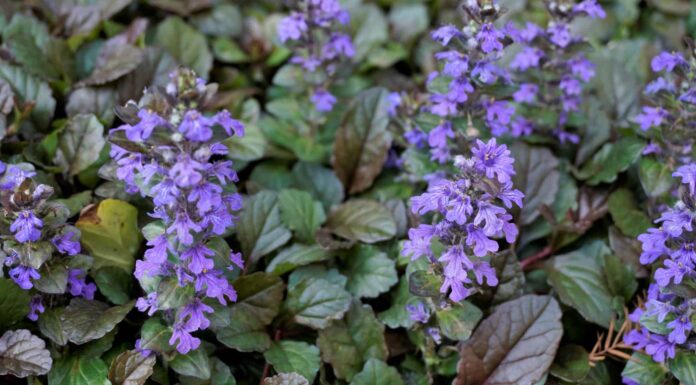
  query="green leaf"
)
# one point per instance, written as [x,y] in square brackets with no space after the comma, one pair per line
[110,233]
[362,220]
[79,144]
[424,283]
[655,177]
[23,354]
[369,271]
[627,217]
[572,363]
[30,89]
[579,281]
[346,344]
[537,176]
[194,364]
[228,51]
[54,278]
[114,283]
[98,101]
[131,368]
[295,256]
[260,229]
[321,182]
[458,321]
[186,44]
[76,202]
[243,326]
[397,316]
[516,344]
[684,367]
[154,335]
[222,20]
[363,140]
[300,213]
[51,326]
[611,160]
[79,370]
[14,303]
[250,147]
[377,372]
[294,356]
[371,29]
[643,370]
[620,277]
[113,62]
[85,320]
[408,20]
[315,302]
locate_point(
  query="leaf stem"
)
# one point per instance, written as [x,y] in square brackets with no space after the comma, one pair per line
[528,262]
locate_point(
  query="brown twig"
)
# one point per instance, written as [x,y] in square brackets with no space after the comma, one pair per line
[611,345]
[267,367]
[528,262]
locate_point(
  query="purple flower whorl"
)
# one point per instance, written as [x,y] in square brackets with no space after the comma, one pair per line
[469,211]
[172,153]
[666,320]
[317,47]
[549,72]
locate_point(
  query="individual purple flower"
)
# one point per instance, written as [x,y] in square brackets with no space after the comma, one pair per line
[323,100]
[529,57]
[147,304]
[667,62]
[26,227]
[292,27]
[185,342]
[493,160]
[489,38]
[77,285]
[193,315]
[36,307]
[66,244]
[651,117]
[527,93]
[591,8]
[660,348]
[687,173]
[560,34]
[658,85]
[418,313]
[23,276]
[444,34]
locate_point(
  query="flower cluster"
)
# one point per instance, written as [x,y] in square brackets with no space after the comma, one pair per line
[470,214]
[317,47]
[40,246]
[463,86]
[670,119]
[172,153]
[549,73]
[669,301]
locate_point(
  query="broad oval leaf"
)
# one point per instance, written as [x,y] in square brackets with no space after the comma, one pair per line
[320,181]
[14,303]
[377,372]
[131,368]
[286,379]
[186,44]
[611,160]
[537,176]
[315,302]
[362,220]
[363,140]
[346,344]
[294,356]
[370,272]
[30,89]
[195,363]
[77,369]
[260,229]
[643,370]
[295,256]
[458,320]
[23,354]
[684,367]
[85,320]
[110,233]
[80,143]
[300,213]
[514,345]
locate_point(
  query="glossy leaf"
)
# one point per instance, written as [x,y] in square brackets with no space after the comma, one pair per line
[23,354]
[14,303]
[315,302]
[131,368]
[537,176]
[85,320]
[516,344]
[80,143]
[300,213]
[377,372]
[362,220]
[260,229]
[294,356]
[186,44]
[370,272]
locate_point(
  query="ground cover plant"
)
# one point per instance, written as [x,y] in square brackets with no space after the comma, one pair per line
[347,192]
